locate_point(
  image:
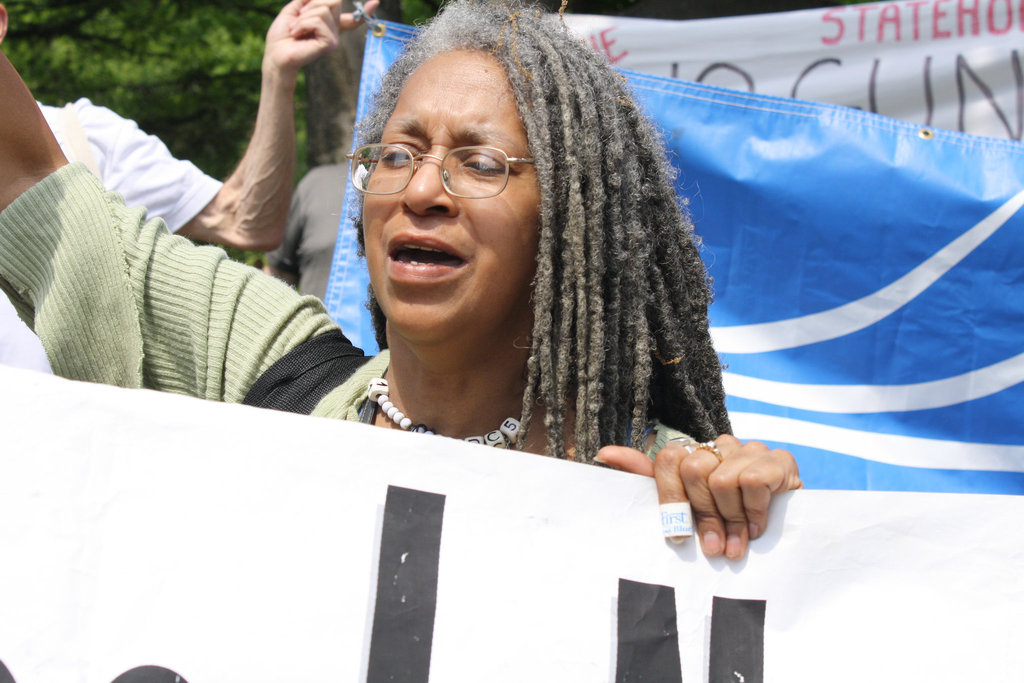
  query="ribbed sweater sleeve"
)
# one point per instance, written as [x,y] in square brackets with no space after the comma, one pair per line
[119,300]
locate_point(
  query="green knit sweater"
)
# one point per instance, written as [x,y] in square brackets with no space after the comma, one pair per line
[119,300]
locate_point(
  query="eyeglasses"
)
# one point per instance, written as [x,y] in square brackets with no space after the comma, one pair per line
[467,172]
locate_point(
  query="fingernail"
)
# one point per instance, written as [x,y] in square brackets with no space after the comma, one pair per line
[753,530]
[733,546]
[599,459]
[678,540]
[712,543]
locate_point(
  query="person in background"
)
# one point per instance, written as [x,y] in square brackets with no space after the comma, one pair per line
[249,209]
[304,258]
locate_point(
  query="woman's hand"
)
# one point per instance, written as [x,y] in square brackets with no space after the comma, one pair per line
[305,30]
[729,497]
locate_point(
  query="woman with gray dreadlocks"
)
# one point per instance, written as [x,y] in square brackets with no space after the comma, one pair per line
[534,282]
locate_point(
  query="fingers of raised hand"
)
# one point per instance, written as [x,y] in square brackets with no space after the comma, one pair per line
[318,17]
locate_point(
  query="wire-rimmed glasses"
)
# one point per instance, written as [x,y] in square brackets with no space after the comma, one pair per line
[474,172]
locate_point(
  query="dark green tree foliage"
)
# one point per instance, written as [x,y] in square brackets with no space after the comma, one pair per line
[187,71]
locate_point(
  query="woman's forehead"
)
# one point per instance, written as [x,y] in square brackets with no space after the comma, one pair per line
[463,92]
[461,71]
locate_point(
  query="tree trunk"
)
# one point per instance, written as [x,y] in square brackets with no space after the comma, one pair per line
[332,90]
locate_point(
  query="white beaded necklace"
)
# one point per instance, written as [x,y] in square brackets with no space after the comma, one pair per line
[503,437]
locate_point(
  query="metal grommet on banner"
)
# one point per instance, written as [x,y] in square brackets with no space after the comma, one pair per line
[378,29]
[926,133]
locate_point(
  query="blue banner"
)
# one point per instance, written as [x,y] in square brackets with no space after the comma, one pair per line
[867,277]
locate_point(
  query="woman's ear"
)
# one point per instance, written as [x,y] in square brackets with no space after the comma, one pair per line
[3,23]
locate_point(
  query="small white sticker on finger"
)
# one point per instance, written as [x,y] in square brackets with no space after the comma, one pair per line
[676,521]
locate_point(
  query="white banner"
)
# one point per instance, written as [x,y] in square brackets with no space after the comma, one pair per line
[952,64]
[150,537]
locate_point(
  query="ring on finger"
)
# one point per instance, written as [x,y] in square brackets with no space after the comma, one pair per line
[710,447]
[692,446]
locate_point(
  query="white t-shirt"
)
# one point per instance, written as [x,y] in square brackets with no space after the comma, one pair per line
[137,166]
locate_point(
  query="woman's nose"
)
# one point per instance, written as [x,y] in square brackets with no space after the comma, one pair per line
[425,192]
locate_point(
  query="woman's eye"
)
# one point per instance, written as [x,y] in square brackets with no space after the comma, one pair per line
[484,164]
[395,158]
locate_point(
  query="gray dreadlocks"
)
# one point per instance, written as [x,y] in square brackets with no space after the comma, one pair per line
[620,294]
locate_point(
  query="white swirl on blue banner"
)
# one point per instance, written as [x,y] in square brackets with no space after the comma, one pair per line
[856,315]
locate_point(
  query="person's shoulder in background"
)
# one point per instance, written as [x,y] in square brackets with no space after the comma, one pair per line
[304,258]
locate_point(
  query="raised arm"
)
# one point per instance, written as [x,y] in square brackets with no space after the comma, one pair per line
[28,150]
[250,210]
[117,299]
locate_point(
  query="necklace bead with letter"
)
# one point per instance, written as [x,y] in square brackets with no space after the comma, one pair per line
[504,436]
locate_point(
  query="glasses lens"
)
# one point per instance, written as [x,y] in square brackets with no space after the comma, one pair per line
[381,169]
[475,171]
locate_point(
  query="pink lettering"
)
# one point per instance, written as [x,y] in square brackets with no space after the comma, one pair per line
[890,16]
[606,46]
[863,9]
[962,12]
[915,5]
[829,15]
[937,15]
[992,18]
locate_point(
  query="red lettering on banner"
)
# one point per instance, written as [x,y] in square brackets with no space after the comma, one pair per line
[992,18]
[602,43]
[890,15]
[863,9]
[962,12]
[938,14]
[828,16]
[972,17]
[916,6]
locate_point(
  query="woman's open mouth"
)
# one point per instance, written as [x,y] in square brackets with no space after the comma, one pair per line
[419,263]
[417,255]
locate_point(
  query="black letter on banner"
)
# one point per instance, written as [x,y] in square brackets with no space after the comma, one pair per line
[5,675]
[149,674]
[648,637]
[403,618]
[737,641]
[729,67]
[962,67]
